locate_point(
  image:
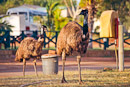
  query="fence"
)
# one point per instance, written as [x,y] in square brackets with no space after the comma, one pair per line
[8,40]
[102,41]
[106,42]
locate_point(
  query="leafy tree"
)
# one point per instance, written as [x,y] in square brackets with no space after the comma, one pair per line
[1,1]
[59,21]
[5,5]
[51,7]
[4,26]
[121,6]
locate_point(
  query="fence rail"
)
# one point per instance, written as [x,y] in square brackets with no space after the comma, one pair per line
[9,42]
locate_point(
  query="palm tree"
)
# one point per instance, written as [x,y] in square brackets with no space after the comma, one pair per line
[59,21]
[4,26]
[50,11]
[51,7]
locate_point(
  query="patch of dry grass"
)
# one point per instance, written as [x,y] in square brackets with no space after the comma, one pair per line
[97,78]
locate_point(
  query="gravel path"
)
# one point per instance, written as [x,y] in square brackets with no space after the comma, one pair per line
[10,68]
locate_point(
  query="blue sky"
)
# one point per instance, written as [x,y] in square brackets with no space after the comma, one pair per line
[78,1]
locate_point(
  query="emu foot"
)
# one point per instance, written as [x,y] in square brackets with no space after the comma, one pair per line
[80,82]
[23,74]
[63,80]
[36,75]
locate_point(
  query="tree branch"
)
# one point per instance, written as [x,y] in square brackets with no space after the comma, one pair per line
[70,12]
[73,9]
[78,10]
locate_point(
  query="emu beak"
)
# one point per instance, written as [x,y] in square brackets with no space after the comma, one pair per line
[40,39]
[46,29]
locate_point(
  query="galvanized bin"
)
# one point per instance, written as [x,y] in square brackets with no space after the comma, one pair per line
[49,64]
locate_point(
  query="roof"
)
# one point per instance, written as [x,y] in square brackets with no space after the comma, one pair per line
[35,10]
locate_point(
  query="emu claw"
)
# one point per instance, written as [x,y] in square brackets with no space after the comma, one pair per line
[81,82]
[63,80]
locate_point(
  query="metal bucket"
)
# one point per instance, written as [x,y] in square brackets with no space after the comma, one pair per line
[49,64]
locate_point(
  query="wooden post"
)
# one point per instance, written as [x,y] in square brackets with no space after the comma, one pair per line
[121,48]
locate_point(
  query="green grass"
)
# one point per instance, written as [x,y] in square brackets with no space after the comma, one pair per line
[91,78]
[50,48]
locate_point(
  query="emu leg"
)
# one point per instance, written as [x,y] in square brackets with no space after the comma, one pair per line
[35,68]
[15,45]
[24,65]
[63,65]
[79,69]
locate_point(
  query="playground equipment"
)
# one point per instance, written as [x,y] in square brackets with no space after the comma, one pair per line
[109,29]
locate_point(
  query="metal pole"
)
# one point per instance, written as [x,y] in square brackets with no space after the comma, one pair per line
[117,62]
[121,48]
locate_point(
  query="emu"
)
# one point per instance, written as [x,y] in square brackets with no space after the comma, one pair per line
[29,48]
[72,38]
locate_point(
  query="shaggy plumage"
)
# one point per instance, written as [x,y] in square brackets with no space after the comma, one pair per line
[72,38]
[29,48]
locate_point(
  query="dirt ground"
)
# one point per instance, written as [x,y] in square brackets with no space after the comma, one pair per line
[10,68]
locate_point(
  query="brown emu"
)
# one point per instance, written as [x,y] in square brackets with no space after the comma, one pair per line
[71,38]
[29,48]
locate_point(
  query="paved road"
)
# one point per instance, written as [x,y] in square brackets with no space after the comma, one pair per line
[10,68]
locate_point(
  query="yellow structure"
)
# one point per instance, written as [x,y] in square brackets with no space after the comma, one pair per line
[107,24]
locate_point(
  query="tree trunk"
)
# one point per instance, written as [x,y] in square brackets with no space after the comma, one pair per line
[90,23]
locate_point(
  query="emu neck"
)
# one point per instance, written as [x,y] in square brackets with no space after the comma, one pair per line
[85,24]
[39,45]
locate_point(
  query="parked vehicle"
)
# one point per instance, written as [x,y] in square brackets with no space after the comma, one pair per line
[22,19]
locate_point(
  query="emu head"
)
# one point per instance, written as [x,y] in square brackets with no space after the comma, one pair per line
[40,39]
[44,28]
[84,12]
[39,43]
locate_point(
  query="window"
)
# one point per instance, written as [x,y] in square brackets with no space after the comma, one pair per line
[24,13]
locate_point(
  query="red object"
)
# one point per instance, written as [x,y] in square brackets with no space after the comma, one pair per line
[27,28]
[116,30]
